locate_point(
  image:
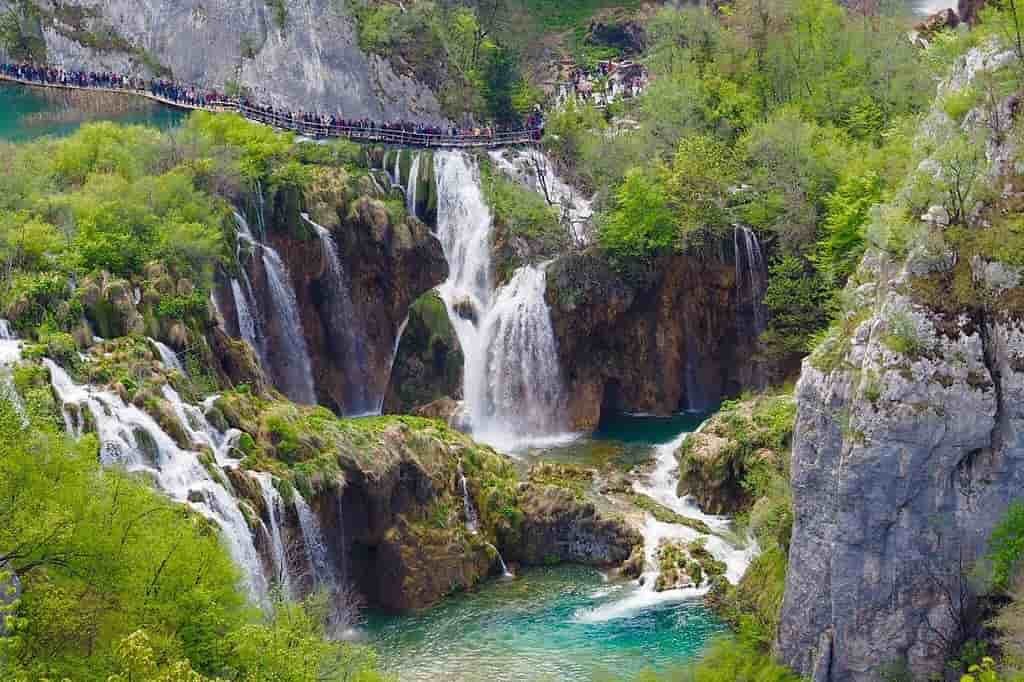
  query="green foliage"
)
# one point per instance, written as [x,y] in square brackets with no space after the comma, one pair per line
[521,211]
[798,303]
[698,182]
[642,221]
[842,243]
[1006,546]
[903,336]
[280,10]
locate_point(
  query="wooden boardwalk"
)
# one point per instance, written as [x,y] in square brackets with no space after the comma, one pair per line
[315,130]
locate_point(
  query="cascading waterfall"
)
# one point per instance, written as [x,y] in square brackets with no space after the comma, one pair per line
[132,439]
[293,364]
[396,176]
[512,381]
[6,332]
[167,356]
[274,504]
[410,191]
[391,362]
[344,329]
[751,276]
[660,485]
[315,545]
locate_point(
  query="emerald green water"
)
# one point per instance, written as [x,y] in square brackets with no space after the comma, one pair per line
[28,113]
[537,627]
[554,623]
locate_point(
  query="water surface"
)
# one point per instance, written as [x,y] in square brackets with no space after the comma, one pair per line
[27,113]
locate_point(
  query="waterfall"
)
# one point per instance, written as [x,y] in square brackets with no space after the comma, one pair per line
[246,321]
[660,485]
[751,276]
[345,330]
[512,380]
[168,356]
[315,545]
[396,177]
[130,438]
[391,362]
[472,521]
[274,504]
[296,373]
[505,573]
[414,177]
[10,355]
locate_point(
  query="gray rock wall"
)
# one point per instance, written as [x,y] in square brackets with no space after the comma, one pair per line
[314,62]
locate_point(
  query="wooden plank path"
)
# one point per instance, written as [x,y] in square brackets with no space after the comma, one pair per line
[315,130]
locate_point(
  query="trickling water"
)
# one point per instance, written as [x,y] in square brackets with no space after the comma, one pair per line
[6,332]
[414,177]
[751,276]
[345,331]
[396,176]
[504,568]
[315,546]
[293,364]
[391,362]
[512,381]
[472,522]
[274,504]
[168,356]
[131,438]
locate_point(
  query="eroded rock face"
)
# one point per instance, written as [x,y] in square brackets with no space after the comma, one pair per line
[306,58]
[656,340]
[559,527]
[907,452]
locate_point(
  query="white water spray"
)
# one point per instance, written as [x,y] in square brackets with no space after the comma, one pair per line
[274,504]
[751,276]
[293,364]
[315,545]
[167,356]
[411,187]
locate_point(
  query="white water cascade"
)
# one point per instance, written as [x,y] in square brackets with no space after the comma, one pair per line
[274,504]
[293,364]
[512,380]
[751,276]
[660,485]
[132,439]
[410,190]
[345,330]
[167,356]
[315,545]
[246,321]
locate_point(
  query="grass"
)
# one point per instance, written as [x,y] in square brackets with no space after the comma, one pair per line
[554,16]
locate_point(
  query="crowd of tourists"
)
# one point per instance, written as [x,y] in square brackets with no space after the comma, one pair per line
[307,123]
[606,82]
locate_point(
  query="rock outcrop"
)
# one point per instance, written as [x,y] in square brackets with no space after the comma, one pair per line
[558,526]
[298,55]
[908,448]
[428,363]
[657,339]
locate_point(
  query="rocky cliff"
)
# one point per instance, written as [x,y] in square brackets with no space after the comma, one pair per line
[293,54]
[909,438]
[656,339]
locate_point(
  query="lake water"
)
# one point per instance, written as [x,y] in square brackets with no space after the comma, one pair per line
[28,113]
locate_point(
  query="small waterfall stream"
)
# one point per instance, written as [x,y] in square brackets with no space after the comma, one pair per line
[274,504]
[472,522]
[315,546]
[411,187]
[130,438]
[10,355]
[293,364]
[168,356]
[512,380]
[751,277]
[345,332]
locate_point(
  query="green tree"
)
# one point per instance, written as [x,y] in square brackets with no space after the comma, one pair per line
[847,212]
[643,222]
[699,184]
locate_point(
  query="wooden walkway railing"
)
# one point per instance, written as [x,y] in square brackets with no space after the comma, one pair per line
[312,129]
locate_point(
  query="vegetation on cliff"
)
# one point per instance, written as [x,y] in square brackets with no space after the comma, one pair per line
[117,582]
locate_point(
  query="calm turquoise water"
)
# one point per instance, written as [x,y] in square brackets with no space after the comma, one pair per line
[28,113]
[536,627]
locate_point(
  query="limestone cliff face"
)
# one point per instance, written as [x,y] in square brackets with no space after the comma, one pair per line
[908,448]
[310,60]
[658,340]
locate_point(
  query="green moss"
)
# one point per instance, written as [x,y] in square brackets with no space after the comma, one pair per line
[576,479]
[665,515]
